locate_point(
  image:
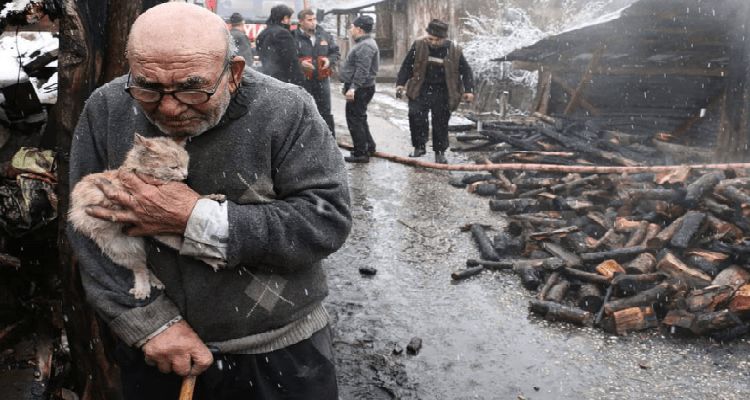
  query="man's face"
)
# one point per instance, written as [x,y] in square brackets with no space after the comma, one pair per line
[355,31]
[180,72]
[309,23]
[435,41]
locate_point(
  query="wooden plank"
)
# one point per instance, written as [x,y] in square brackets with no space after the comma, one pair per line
[583,84]
[584,102]
[712,72]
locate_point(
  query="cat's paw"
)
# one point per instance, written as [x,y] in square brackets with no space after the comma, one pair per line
[217,197]
[140,292]
[155,282]
[215,263]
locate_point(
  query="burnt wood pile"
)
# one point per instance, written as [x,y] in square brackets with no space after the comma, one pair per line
[623,251]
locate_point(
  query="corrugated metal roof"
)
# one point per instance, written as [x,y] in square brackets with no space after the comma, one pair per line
[354,6]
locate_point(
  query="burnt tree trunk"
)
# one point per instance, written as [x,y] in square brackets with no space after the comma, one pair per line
[733,134]
[93,35]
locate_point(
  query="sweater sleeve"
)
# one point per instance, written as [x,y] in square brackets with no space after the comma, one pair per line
[467,76]
[105,283]
[407,67]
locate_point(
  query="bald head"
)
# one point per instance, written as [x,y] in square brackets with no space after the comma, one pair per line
[176,28]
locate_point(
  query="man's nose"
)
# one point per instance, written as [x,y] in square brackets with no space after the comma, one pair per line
[169,105]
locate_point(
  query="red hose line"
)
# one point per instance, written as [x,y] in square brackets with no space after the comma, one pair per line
[592,169]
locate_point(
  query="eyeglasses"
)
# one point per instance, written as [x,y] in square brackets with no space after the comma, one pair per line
[188,96]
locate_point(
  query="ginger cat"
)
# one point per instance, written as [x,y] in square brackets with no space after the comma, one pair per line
[161,158]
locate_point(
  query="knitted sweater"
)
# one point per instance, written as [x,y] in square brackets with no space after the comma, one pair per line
[288,207]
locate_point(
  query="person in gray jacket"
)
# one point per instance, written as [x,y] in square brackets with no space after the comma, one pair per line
[358,74]
[261,143]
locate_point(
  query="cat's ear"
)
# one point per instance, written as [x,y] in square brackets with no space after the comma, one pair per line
[138,139]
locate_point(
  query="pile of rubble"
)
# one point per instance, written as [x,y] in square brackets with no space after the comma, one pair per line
[605,241]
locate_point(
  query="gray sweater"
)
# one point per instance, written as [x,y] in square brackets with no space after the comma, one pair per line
[288,205]
[362,63]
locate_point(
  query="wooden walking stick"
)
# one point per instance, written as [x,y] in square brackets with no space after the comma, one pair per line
[188,385]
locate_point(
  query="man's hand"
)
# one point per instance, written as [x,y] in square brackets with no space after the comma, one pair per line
[153,207]
[326,62]
[178,349]
[399,91]
[469,97]
[349,95]
[307,65]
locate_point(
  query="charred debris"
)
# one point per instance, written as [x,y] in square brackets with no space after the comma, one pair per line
[616,218]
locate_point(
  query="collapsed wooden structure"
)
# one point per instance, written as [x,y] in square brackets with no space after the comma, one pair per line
[666,70]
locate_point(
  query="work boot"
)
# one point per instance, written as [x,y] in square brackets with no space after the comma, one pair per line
[440,158]
[418,152]
[357,159]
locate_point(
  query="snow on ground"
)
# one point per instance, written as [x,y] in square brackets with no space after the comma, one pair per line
[18,50]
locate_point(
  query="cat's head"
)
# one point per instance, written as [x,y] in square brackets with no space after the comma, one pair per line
[160,157]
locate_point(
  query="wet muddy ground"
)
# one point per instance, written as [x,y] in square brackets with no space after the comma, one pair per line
[478,339]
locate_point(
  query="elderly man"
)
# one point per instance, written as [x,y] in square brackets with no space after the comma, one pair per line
[256,329]
[438,78]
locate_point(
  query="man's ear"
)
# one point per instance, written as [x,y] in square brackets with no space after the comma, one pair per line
[237,67]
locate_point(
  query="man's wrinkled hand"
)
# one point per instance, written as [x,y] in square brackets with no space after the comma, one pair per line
[468,97]
[152,207]
[178,350]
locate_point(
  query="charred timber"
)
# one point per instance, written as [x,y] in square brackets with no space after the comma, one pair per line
[644,263]
[700,187]
[590,297]
[516,143]
[659,295]
[515,206]
[670,195]
[551,281]
[545,264]
[675,268]
[570,259]
[631,319]
[624,253]
[484,243]
[553,311]
[467,272]
[688,229]
[627,285]
[588,276]
[714,321]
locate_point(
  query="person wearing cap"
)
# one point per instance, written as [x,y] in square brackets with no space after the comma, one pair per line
[277,48]
[436,76]
[318,52]
[244,48]
[358,74]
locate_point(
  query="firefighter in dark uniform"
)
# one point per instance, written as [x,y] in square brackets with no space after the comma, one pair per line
[436,76]
[318,52]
